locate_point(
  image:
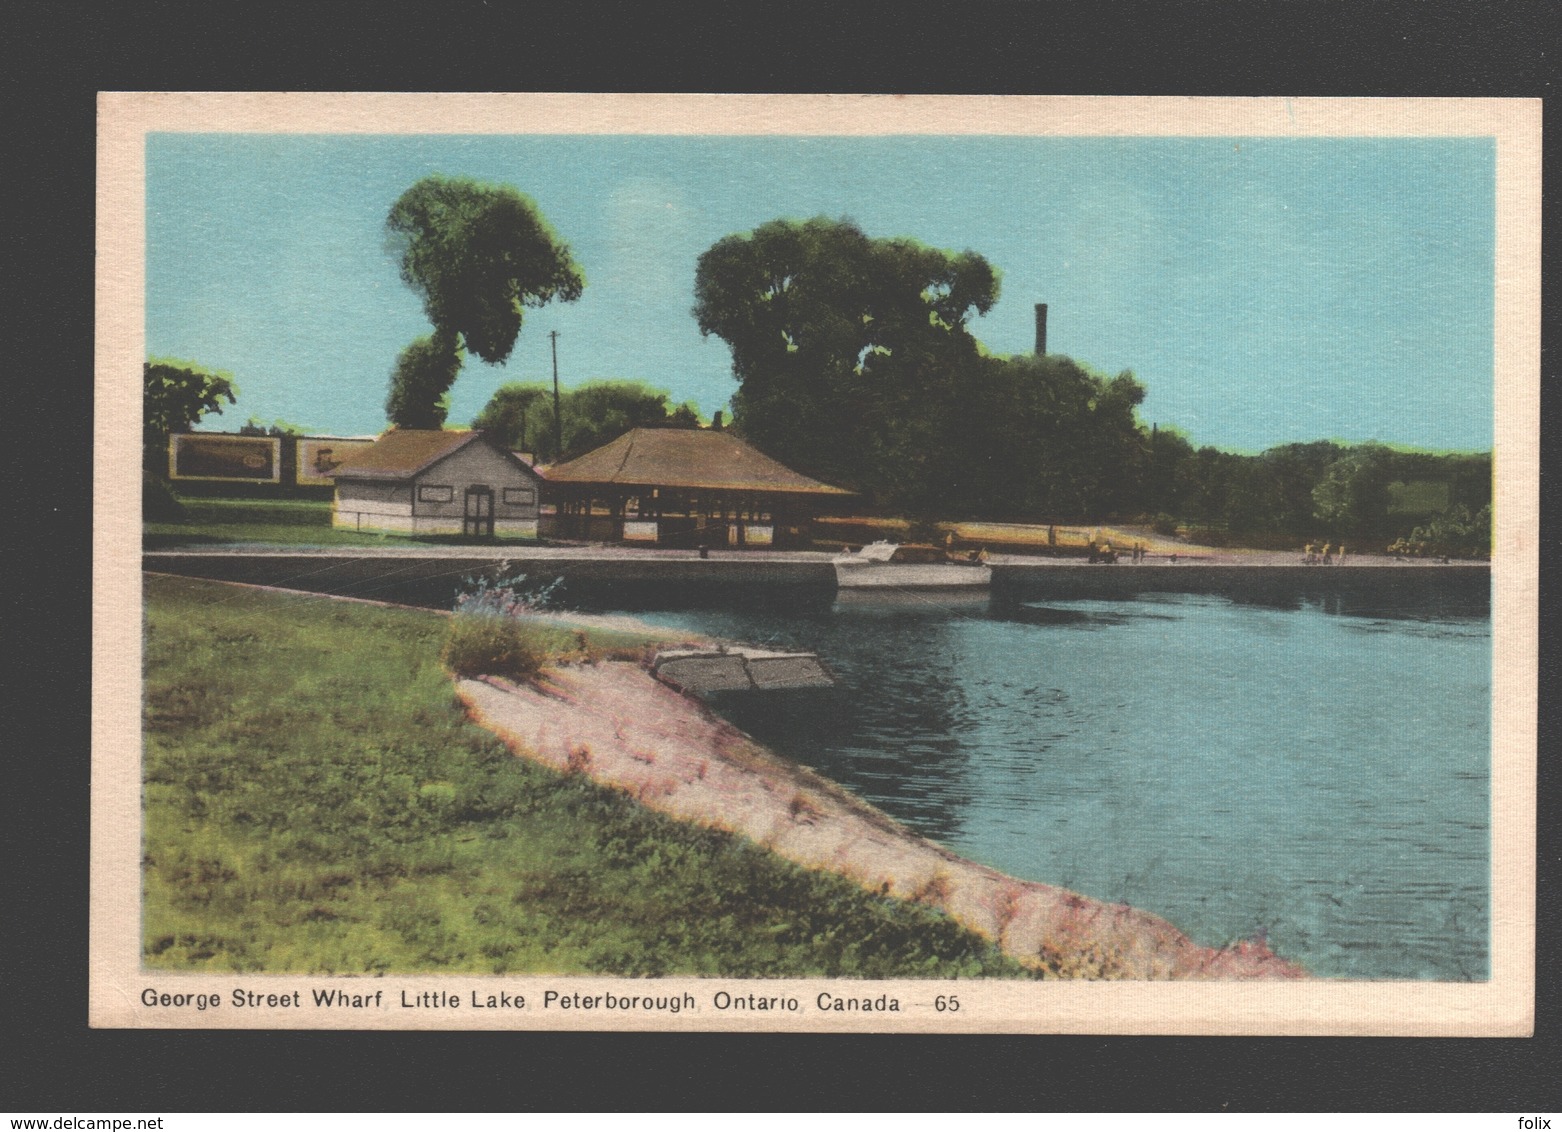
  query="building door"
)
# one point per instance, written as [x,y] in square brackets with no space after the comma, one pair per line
[478,518]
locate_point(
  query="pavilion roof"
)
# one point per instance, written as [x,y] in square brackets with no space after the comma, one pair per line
[685,458]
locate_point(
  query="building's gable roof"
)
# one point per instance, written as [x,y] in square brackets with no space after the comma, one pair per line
[685,458]
[403,453]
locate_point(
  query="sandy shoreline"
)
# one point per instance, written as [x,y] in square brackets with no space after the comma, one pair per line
[616,723]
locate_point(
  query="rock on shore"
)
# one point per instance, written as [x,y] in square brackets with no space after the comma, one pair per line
[616,723]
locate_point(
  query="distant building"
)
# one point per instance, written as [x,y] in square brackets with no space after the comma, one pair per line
[683,487]
[428,481]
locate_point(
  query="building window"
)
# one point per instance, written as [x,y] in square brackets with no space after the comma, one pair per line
[430,494]
[519,496]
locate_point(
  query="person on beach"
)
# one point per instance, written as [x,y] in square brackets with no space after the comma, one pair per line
[1328,558]
[1340,558]
[1311,555]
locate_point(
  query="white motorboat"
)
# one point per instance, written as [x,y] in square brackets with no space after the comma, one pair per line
[908,566]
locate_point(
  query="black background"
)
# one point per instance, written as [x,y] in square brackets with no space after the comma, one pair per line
[59,56]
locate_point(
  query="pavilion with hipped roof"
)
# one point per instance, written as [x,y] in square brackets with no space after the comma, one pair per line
[684,487]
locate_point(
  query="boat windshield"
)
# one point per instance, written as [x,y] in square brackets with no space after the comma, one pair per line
[878,552]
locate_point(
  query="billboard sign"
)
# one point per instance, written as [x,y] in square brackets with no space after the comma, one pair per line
[218,456]
[319,455]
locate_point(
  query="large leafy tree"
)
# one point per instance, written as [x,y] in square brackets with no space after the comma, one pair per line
[521,415]
[477,254]
[514,416]
[600,411]
[176,395]
[1033,437]
[1352,498]
[846,348]
[1272,493]
[1168,449]
[420,383]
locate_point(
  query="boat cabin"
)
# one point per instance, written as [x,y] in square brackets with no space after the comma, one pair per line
[911,553]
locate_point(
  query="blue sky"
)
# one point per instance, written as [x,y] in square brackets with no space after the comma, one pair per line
[1265,290]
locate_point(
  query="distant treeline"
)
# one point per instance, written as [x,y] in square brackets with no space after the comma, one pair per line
[1369,495]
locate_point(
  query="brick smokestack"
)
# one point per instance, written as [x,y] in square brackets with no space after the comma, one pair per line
[1041,329]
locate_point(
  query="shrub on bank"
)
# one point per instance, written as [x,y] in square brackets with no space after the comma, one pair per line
[493,632]
[1454,534]
[496,644]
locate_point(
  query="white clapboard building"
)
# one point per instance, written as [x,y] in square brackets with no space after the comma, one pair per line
[431,481]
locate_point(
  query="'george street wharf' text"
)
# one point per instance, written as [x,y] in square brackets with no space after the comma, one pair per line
[338,999]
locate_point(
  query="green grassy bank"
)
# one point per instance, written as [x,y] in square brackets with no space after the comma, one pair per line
[279,522]
[316,802]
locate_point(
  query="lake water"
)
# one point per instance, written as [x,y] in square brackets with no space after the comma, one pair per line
[1311,773]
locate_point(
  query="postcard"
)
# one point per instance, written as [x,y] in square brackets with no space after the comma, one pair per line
[816,563]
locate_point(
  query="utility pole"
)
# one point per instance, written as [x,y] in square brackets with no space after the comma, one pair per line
[558,419]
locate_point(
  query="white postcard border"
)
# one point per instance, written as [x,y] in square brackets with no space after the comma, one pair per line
[1502,1006]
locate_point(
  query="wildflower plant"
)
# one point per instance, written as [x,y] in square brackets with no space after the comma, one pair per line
[494,630]
[504,596]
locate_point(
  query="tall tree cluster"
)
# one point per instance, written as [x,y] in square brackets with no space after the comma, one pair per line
[844,347]
[1037,436]
[855,363]
[477,255]
[520,415]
